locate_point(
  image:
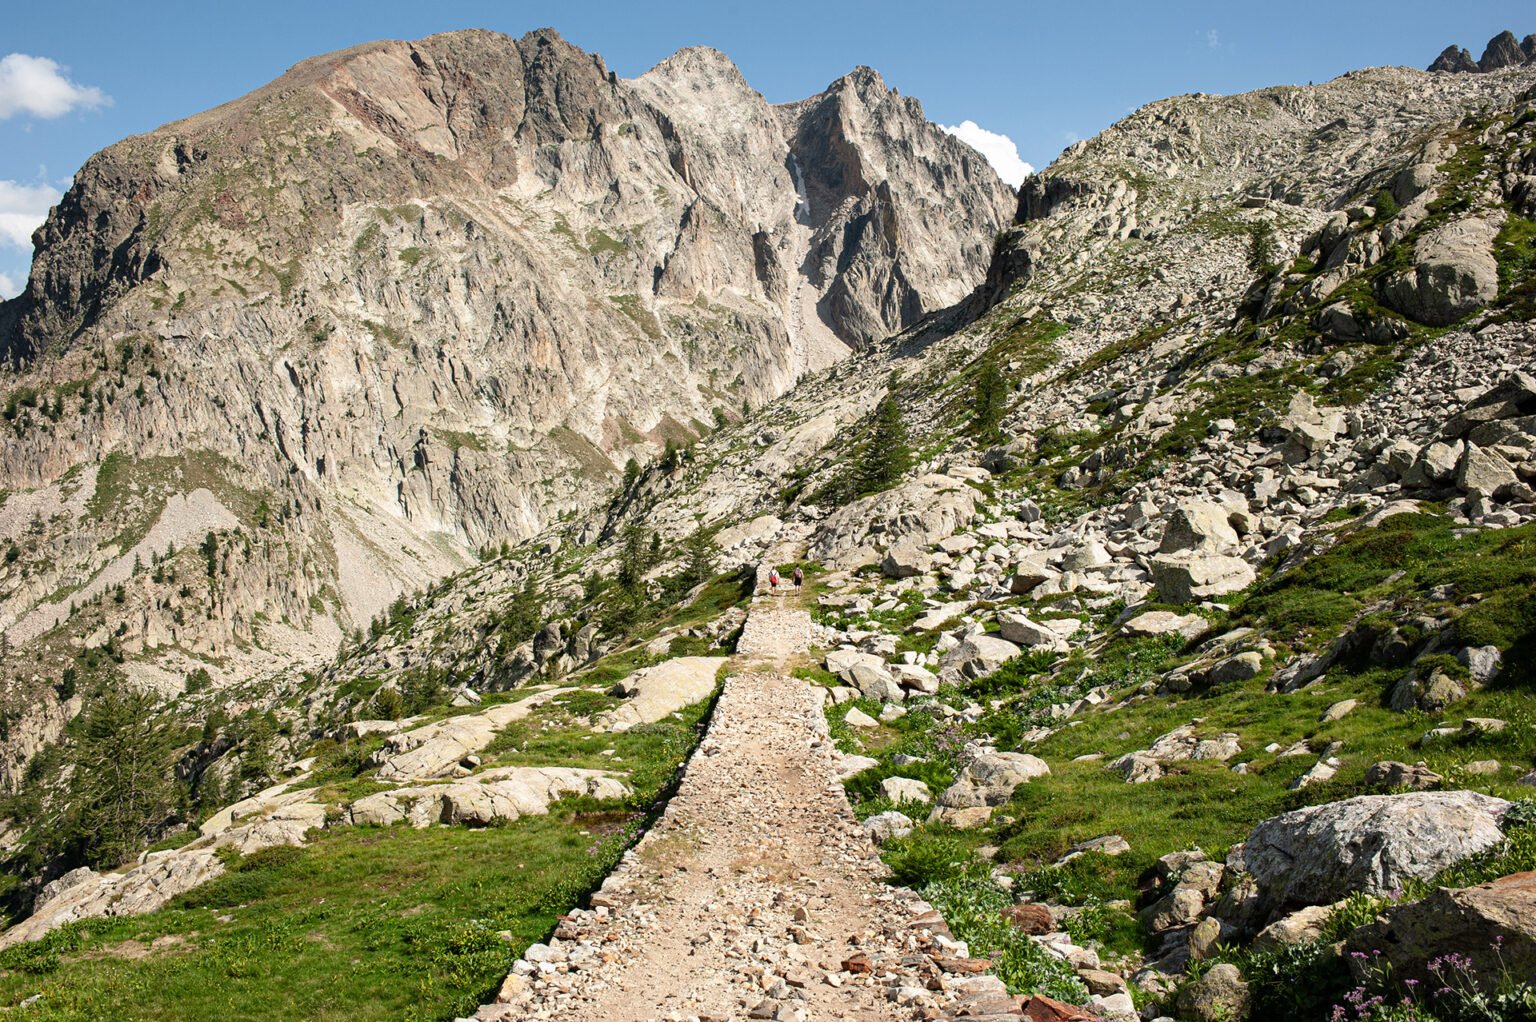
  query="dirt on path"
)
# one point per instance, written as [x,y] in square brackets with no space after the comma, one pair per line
[757,894]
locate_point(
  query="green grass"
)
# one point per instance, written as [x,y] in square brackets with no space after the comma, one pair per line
[638,314]
[1515,250]
[559,734]
[599,241]
[1368,578]
[368,923]
[1393,566]
[362,924]
[1406,555]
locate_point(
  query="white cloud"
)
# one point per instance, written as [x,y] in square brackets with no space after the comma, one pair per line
[9,286]
[1213,39]
[38,86]
[998,149]
[23,208]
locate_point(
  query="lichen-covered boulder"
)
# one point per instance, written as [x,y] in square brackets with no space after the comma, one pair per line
[1369,844]
[1492,925]
[989,779]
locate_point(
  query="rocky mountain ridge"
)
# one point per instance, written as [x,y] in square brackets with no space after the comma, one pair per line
[413,300]
[1503,50]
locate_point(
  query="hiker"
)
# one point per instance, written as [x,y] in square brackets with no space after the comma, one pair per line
[799,577]
[773,581]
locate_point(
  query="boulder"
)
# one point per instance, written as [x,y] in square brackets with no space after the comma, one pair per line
[1392,774]
[1309,428]
[1492,927]
[1370,844]
[915,678]
[1454,274]
[1016,628]
[662,690]
[1101,983]
[841,661]
[904,560]
[1436,464]
[1339,710]
[1085,556]
[1299,927]
[989,779]
[1182,578]
[883,827]
[1481,662]
[1137,768]
[851,766]
[1413,181]
[977,657]
[940,616]
[920,512]
[905,789]
[1109,844]
[1164,622]
[1220,995]
[1030,918]
[1431,694]
[1028,574]
[1198,527]
[1204,938]
[1179,907]
[1484,473]
[858,718]
[1040,1008]
[1239,667]
[875,683]
[964,818]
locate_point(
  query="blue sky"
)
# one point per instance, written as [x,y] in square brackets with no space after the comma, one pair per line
[1043,75]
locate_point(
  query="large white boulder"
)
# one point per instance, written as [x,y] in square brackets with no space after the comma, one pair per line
[920,512]
[1369,844]
[664,689]
[977,657]
[1187,578]
[1198,527]
[1454,274]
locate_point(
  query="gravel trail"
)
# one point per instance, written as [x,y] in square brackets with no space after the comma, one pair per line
[757,894]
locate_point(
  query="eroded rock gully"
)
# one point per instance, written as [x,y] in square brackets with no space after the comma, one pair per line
[757,894]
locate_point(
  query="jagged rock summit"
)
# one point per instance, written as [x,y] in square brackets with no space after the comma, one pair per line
[1503,50]
[414,298]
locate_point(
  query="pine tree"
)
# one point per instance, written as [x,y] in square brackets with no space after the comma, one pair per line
[522,617]
[632,559]
[989,403]
[626,604]
[698,560]
[886,455]
[122,786]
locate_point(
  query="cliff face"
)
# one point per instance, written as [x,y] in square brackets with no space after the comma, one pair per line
[414,298]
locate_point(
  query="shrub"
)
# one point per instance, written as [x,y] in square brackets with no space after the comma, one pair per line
[1089,877]
[927,857]
[1298,983]
[972,906]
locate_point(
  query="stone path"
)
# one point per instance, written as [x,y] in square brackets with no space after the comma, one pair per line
[757,894]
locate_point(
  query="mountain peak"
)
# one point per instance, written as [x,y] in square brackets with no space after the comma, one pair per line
[699,67]
[1502,51]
